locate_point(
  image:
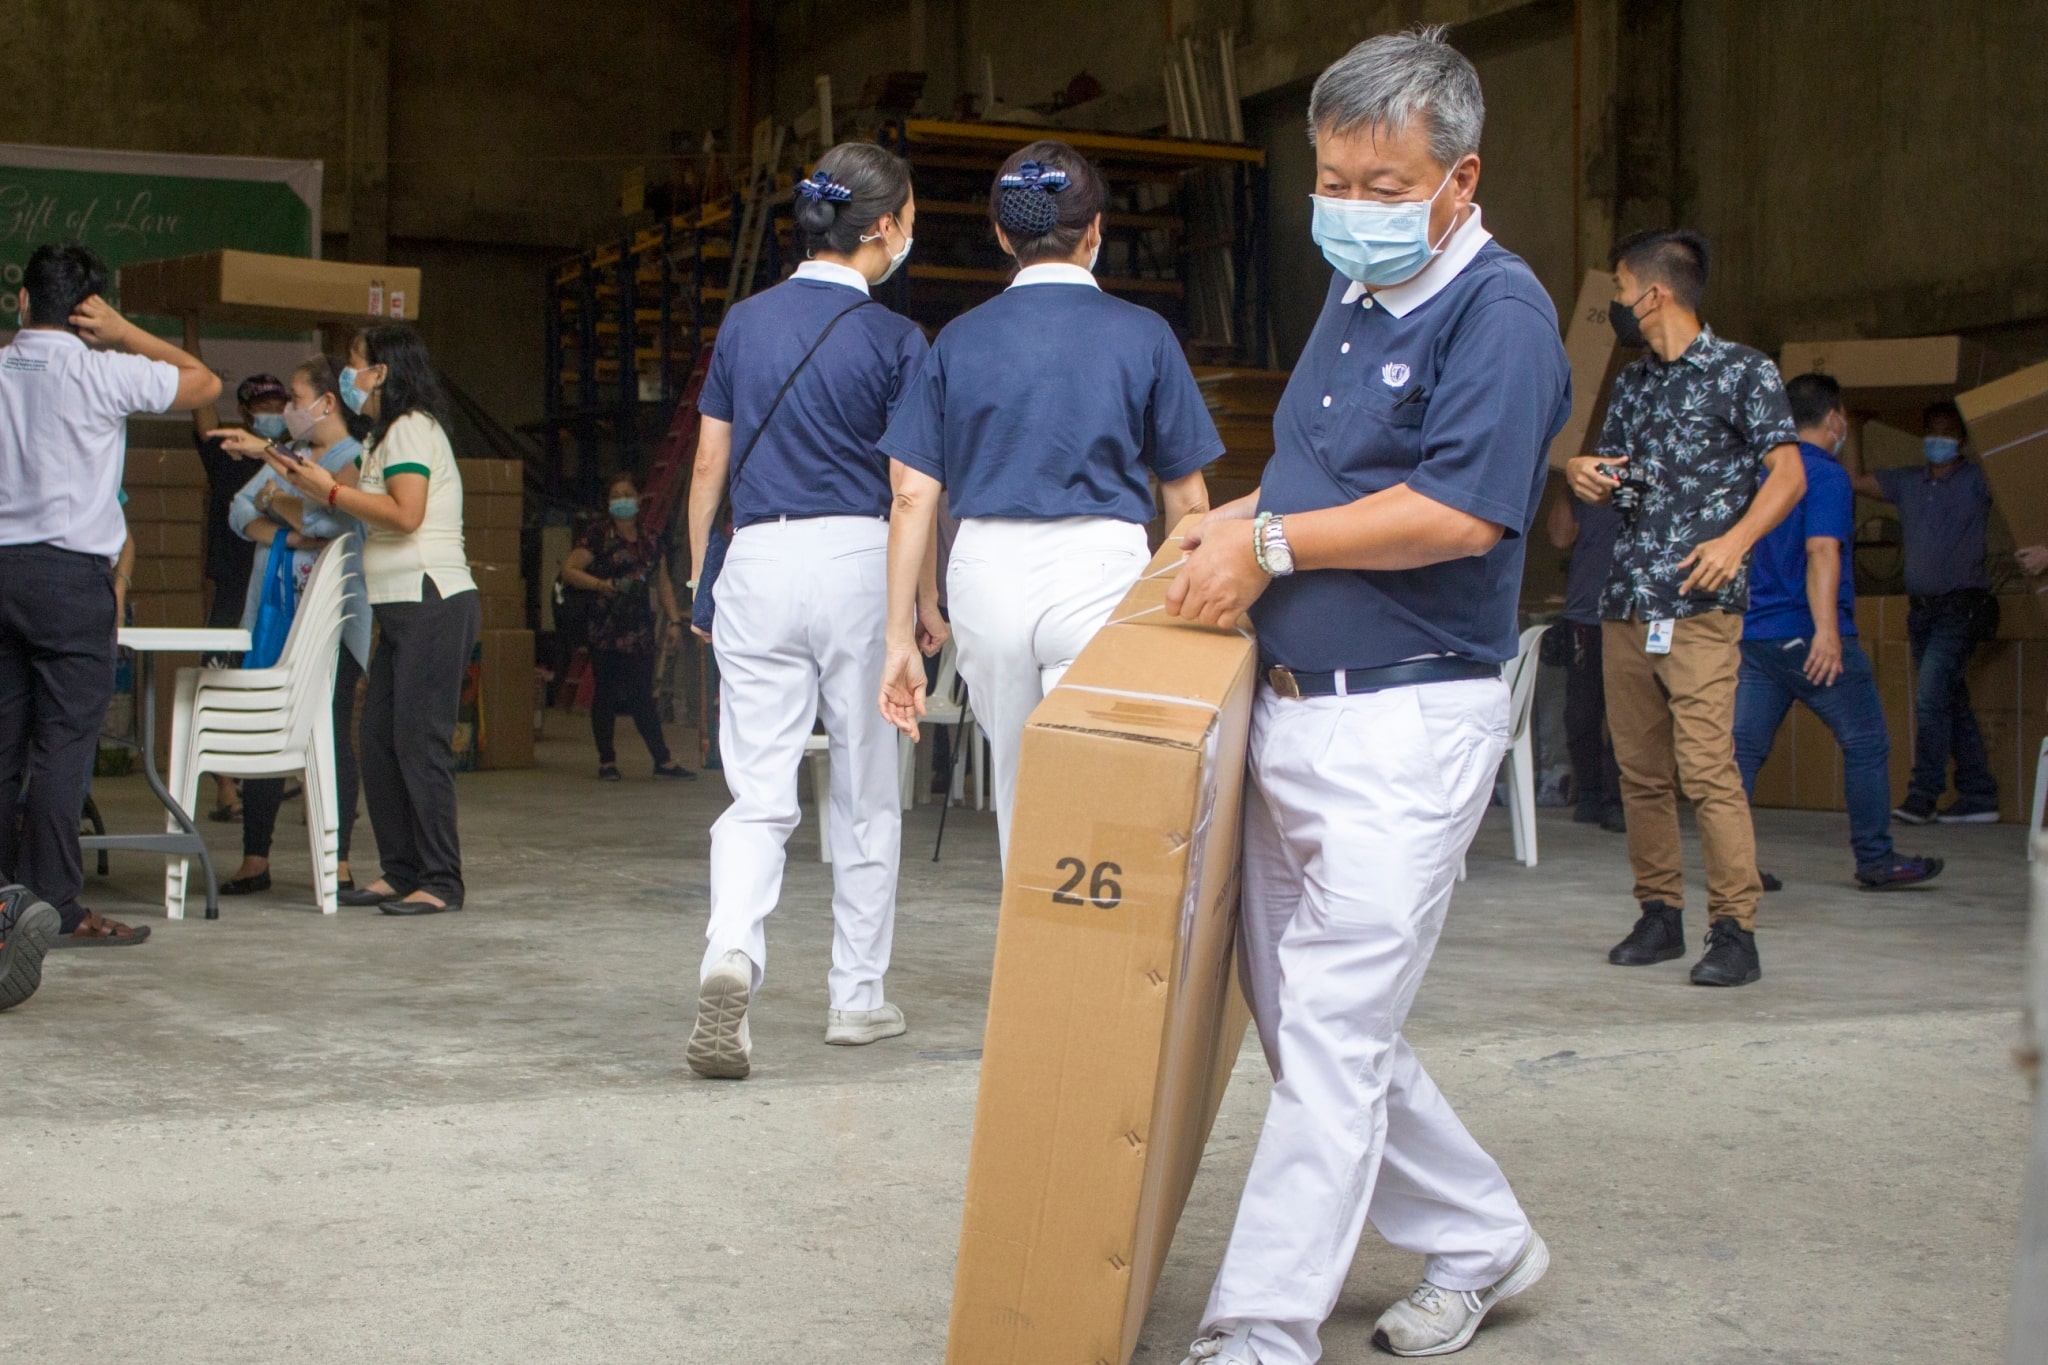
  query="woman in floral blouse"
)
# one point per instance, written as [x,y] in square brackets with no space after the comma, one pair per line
[626,565]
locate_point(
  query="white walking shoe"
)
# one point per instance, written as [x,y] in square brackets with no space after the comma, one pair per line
[720,1046]
[1434,1321]
[1234,1349]
[856,1028]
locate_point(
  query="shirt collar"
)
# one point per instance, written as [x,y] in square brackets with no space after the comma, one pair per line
[1054,272]
[831,272]
[1700,353]
[50,336]
[1817,449]
[1404,298]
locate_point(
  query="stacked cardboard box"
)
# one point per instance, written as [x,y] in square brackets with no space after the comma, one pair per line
[268,291]
[1113,1015]
[1596,358]
[493,509]
[2008,681]
[2009,425]
[167,517]
[504,704]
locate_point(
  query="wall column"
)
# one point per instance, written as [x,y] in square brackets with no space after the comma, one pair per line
[368,168]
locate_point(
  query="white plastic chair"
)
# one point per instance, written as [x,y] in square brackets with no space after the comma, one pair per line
[947,706]
[2040,798]
[1520,676]
[270,722]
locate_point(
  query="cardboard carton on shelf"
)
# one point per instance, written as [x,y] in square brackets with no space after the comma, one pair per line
[504,736]
[502,613]
[167,608]
[1114,1016]
[491,476]
[492,544]
[1596,358]
[171,467]
[270,291]
[1892,378]
[166,504]
[497,580]
[493,511]
[172,539]
[161,573]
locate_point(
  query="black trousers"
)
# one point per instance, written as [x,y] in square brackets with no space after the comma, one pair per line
[261,796]
[56,681]
[624,683]
[1595,775]
[409,717]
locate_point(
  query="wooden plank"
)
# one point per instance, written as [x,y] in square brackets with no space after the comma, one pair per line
[1010,135]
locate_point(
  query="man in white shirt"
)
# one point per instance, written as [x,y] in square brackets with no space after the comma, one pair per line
[64,408]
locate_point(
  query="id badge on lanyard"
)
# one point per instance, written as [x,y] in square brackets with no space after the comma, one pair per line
[1659,638]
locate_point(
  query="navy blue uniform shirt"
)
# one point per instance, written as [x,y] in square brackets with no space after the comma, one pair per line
[1452,384]
[1052,400]
[818,457]
[1778,609]
[1942,521]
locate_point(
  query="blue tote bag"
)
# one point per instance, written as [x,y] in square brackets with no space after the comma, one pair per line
[274,611]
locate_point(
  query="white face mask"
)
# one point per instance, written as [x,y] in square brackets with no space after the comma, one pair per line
[896,261]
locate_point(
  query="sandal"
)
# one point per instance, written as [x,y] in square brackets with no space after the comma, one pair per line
[97,931]
[226,815]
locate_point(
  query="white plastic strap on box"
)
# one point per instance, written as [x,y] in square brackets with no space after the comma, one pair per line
[1161,573]
[1211,707]
[2015,441]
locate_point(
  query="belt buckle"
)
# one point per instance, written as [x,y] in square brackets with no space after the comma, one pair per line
[1281,680]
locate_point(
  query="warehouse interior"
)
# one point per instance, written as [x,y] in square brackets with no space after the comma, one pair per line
[477,1139]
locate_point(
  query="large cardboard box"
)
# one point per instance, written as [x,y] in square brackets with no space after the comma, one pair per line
[261,290]
[168,608]
[493,511]
[505,699]
[176,539]
[2008,421]
[165,468]
[158,573]
[1596,358]
[1892,377]
[1114,1016]
[493,544]
[166,504]
[491,476]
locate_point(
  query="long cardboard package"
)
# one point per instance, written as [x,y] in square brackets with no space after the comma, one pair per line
[1114,1015]
[2008,421]
[1596,358]
[1892,378]
[263,290]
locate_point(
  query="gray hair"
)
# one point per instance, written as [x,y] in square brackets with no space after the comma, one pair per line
[1388,81]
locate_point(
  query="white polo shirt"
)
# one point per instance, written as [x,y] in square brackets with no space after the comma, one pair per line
[64,411]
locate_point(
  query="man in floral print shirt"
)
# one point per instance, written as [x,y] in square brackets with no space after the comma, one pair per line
[1701,429]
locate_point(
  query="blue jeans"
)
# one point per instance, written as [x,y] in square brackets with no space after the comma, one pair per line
[1771,680]
[1944,632]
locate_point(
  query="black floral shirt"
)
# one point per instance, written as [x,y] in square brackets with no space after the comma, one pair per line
[1696,429]
[623,622]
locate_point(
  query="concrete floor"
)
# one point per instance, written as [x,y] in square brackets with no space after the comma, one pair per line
[474,1138]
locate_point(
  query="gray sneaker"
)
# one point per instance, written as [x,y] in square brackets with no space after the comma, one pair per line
[27,929]
[720,1046]
[1234,1348]
[1434,1321]
[857,1028]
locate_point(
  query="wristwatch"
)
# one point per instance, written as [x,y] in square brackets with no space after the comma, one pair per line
[1270,547]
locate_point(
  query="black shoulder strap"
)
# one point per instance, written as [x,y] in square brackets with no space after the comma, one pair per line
[732,476]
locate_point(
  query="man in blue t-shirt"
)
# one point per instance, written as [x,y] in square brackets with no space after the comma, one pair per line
[1799,642]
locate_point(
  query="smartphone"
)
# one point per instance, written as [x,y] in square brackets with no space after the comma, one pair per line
[285,452]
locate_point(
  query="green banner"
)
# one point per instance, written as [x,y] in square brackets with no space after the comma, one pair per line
[130,216]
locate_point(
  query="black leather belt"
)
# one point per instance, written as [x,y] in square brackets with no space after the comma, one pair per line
[1350,682]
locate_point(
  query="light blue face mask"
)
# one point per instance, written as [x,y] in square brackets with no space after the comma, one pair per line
[268,425]
[1940,449]
[624,508]
[1375,244]
[350,394]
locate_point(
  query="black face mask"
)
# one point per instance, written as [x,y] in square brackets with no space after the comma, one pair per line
[1628,330]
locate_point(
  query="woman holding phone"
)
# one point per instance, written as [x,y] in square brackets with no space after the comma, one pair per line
[408,496]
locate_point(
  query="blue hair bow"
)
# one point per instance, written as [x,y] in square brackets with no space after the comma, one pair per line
[1033,175]
[822,187]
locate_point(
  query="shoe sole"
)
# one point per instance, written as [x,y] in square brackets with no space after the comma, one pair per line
[1755,974]
[21,959]
[1982,817]
[1906,817]
[1535,1263]
[715,1051]
[861,1036]
[1646,961]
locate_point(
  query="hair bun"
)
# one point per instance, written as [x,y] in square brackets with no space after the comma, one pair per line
[1027,212]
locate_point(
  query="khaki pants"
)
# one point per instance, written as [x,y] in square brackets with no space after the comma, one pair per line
[1677,711]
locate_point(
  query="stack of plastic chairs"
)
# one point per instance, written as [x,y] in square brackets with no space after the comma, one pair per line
[270,722]
[946,705]
[1521,681]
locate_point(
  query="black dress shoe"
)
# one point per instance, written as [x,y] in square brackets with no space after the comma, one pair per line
[1770,883]
[1588,812]
[246,886]
[406,907]
[1731,958]
[1658,936]
[365,896]
[1614,821]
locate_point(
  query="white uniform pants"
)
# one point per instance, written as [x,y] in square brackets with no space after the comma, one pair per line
[799,635]
[1025,596]
[1357,811]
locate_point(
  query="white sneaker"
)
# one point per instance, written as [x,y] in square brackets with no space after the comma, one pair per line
[1434,1321]
[1234,1349]
[856,1028]
[720,1046]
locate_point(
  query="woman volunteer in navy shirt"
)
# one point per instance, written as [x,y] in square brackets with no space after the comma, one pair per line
[1043,447]
[801,386]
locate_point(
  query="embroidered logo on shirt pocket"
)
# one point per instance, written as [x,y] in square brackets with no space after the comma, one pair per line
[1394,374]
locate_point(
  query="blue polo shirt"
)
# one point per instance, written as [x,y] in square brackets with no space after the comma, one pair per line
[1456,395]
[1778,609]
[1942,521]
[1052,400]
[818,457]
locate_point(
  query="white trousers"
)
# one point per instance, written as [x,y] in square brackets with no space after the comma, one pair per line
[1357,811]
[1025,597]
[802,608]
